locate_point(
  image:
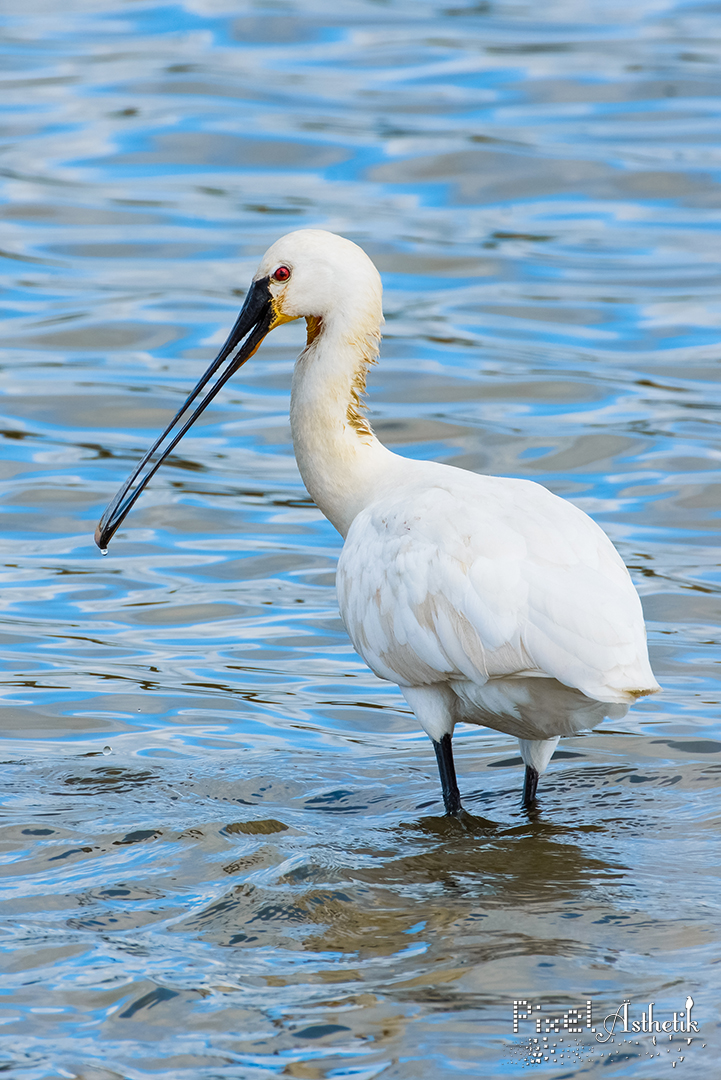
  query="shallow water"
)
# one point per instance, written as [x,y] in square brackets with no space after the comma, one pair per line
[223,849]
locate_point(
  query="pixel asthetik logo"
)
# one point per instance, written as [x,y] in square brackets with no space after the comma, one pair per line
[573,1036]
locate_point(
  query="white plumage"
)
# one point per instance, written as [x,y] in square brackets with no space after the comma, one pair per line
[458,577]
[485,599]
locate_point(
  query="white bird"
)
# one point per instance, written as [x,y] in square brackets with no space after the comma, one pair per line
[486,599]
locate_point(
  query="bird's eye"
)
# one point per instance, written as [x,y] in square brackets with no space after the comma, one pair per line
[281,274]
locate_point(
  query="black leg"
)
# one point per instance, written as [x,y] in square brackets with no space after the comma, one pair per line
[529,786]
[444,757]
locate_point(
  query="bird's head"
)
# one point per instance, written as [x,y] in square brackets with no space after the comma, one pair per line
[318,275]
[308,274]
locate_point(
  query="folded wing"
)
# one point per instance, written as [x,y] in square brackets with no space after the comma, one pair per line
[478,578]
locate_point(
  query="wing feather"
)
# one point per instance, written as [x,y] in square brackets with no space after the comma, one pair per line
[476,577]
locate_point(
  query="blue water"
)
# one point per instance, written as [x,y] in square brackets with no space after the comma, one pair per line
[223,849]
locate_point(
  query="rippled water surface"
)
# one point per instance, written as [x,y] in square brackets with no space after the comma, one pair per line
[223,849]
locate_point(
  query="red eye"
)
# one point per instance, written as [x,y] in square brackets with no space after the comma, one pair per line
[281,274]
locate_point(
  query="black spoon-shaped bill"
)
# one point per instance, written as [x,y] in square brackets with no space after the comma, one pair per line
[256,319]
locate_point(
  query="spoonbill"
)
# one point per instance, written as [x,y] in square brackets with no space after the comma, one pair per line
[486,599]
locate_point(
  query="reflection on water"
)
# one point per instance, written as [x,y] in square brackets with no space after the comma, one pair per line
[223,853]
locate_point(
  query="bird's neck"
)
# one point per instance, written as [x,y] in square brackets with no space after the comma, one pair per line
[340,459]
